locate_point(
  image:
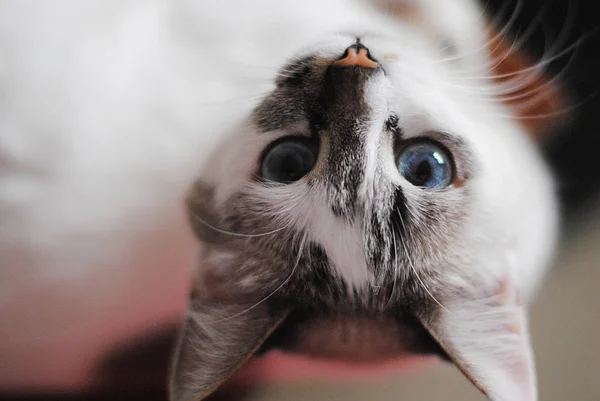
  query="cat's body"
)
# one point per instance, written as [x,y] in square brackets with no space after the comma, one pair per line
[110,110]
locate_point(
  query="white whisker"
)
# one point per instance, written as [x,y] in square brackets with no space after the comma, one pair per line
[289,277]
[395,261]
[414,269]
[558,113]
[234,234]
[496,37]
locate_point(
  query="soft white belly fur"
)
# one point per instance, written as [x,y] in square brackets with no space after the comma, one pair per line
[107,112]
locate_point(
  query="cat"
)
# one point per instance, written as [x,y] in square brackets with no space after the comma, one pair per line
[112,109]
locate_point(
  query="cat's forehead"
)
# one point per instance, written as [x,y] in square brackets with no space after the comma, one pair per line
[414,91]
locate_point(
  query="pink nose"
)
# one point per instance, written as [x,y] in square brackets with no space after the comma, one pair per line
[357,56]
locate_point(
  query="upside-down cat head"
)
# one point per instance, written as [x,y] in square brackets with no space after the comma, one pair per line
[378,191]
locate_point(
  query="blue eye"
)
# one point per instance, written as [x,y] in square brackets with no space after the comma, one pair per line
[426,165]
[288,160]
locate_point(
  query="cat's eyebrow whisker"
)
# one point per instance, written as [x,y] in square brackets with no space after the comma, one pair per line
[388,11]
[538,68]
[535,69]
[511,94]
[549,56]
[536,91]
[290,74]
[283,69]
[539,90]
[507,90]
[517,43]
[466,71]
[501,33]
[289,277]
[519,80]
[481,16]
[558,113]
[298,59]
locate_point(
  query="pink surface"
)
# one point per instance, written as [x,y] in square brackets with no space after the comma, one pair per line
[281,367]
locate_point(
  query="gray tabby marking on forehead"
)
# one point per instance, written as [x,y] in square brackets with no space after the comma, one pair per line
[332,101]
[295,99]
[309,93]
[346,120]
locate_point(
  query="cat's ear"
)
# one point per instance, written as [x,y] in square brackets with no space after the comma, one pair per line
[488,340]
[214,342]
[534,96]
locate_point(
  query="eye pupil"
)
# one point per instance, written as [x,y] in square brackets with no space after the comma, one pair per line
[426,165]
[423,172]
[290,164]
[288,160]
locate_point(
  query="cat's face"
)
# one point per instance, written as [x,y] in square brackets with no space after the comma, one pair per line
[378,181]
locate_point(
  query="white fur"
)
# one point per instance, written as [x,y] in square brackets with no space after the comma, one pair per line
[500,360]
[109,109]
[342,241]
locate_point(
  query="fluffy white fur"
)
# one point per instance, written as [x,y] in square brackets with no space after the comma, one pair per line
[109,109]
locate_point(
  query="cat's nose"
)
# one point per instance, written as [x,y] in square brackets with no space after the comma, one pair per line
[357,55]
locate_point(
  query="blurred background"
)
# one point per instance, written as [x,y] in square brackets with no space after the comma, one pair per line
[566,315]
